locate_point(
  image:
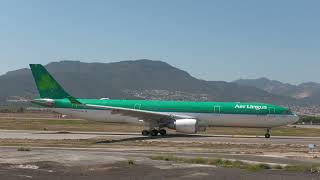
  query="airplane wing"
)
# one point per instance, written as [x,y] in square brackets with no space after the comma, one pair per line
[148,116]
[141,114]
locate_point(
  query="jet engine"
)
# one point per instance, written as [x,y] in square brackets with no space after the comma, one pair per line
[189,126]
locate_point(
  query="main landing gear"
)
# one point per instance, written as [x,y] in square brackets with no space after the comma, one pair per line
[154,132]
[267,135]
[145,133]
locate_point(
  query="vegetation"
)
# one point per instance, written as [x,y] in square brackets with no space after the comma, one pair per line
[237,164]
[303,168]
[25,144]
[12,110]
[309,119]
[279,131]
[39,122]
[216,162]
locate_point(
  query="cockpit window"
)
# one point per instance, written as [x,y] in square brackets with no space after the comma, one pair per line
[288,111]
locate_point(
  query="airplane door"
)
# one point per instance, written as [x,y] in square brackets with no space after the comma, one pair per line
[75,106]
[216,115]
[137,106]
[272,110]
[271,116]
[216,109]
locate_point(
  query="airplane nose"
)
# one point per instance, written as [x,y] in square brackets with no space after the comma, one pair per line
[295,118]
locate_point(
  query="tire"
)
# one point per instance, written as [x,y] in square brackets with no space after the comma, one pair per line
[154,132]
[145,133]
[267,135]
[163,132]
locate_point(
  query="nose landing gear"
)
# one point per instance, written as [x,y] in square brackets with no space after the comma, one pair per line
[267,135]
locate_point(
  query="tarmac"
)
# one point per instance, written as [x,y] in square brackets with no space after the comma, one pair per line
[127,136]
[108,156]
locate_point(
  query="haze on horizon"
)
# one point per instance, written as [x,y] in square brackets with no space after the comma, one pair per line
[212,40]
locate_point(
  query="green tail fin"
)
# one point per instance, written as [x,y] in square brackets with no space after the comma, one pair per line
[47,86]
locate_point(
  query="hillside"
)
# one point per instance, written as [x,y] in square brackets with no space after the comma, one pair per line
[144,79]
[305,92]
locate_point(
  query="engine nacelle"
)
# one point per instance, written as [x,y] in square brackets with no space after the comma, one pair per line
[189,126]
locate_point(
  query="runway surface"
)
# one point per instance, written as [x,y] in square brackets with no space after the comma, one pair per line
[235,139]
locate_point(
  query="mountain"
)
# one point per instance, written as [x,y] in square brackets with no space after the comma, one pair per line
[134,79]
[305,92]
[271,86]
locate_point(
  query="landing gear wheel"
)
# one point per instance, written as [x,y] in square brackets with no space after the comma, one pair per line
[267,135]
[145,133]
[163,132]
[154,132]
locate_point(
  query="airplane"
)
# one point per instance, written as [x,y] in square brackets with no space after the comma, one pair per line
[183,116]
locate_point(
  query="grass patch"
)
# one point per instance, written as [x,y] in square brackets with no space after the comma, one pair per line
[65,125]
[66,122]
[23,143]
[258,167]
[24,149]
[279,131]
[278,167]
[216,162]
[237,164]
[303,168]
[295,168]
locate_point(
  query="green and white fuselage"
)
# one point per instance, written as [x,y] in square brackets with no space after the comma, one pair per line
[208,113]
[184,116]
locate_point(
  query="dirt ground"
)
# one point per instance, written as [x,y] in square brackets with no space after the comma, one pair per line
[54,171]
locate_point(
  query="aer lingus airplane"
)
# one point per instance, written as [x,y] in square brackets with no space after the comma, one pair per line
[183,116]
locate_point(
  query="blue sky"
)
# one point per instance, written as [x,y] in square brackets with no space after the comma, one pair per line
[211,39]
